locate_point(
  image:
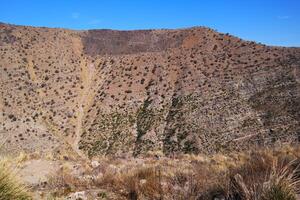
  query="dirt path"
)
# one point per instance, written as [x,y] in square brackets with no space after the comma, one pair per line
[86,95]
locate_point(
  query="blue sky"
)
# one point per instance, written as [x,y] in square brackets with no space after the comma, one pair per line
[273,22]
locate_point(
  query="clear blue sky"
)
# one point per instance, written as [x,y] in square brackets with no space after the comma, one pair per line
[273,22]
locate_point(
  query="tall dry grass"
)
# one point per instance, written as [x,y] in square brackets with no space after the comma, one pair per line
[260,175]
[263,176]
[10,187]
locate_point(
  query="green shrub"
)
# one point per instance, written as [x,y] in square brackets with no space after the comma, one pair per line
[279,192]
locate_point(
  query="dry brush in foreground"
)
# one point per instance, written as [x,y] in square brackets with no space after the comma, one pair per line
[260,175]
[10,187]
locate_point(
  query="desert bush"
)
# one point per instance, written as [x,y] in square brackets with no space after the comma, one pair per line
[283,183]
[10,187]
[264,177]
[63,183]
[143,183]
[279,192]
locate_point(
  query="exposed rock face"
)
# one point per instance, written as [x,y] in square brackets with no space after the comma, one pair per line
[114,92]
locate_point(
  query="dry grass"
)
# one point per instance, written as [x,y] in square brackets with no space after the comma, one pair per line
[265,175]
[10,186]
[63,182]
[283,182]
[262,175]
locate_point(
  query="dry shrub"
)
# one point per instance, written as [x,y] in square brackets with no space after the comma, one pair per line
[190,183]
[264,177]
[284,181]
[150,182]
[63,183]
[161,182]
[143,183]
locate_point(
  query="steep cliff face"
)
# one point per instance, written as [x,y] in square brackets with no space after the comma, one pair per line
[130,92]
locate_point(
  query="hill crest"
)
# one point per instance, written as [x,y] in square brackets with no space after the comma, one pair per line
[130,92]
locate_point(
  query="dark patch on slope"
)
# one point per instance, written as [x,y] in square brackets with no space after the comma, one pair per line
[273,103]
[6,36]
[111,42]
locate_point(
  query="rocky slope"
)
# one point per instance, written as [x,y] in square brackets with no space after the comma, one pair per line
[129,92]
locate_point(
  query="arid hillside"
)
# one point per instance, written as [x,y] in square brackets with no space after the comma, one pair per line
[107,92]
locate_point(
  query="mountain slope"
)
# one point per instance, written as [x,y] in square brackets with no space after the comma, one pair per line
[130,92]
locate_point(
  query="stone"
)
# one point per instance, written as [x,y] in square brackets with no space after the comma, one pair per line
[95,164]
[78,196]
